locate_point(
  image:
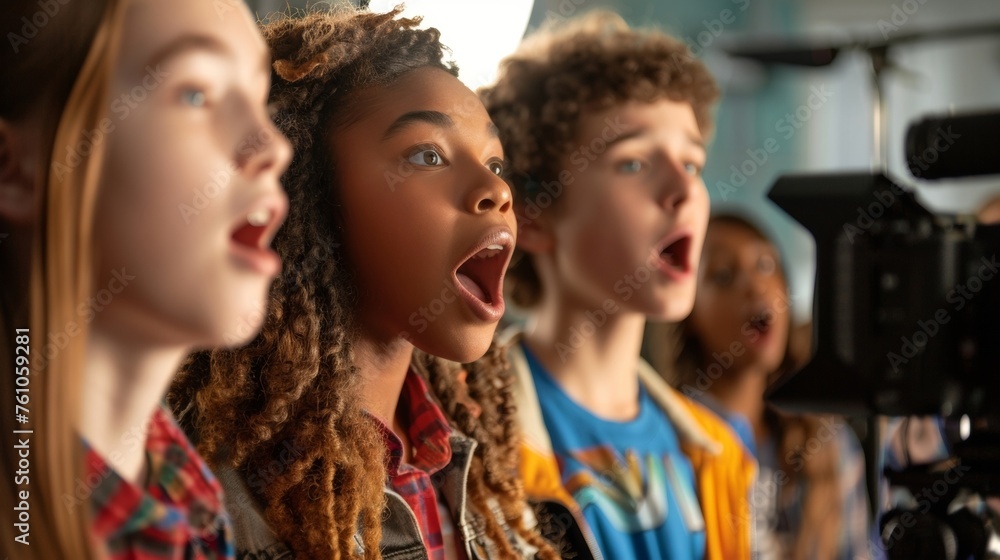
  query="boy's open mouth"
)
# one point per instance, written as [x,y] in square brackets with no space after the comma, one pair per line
[479,277]
[675,255]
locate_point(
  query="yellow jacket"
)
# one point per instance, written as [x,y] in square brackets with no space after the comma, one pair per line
[724,470]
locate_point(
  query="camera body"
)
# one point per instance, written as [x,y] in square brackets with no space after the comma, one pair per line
[906,302]
[906,322]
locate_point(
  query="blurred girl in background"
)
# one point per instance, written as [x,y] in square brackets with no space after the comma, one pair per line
[809,501]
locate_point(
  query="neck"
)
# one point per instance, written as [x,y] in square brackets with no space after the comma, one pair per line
[742,391]
[597,365]
[382,366]
[124,382]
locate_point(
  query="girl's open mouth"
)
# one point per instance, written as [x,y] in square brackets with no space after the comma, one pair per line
[251,237]
[479,276]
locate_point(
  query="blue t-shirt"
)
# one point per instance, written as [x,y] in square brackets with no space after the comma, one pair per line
[635,486]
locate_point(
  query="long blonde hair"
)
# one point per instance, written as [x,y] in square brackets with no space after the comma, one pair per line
[73,54]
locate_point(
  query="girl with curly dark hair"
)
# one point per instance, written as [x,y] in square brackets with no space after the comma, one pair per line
[333,435]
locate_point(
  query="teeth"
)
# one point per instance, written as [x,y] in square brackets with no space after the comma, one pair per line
[491,251]
[259,218]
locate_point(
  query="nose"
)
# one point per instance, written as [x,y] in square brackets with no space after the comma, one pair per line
[678,185]
[489,193]
[265,150]
[756,283]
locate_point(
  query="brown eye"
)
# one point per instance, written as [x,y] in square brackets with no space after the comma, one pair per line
[428,157]
[496,167]
[721,277]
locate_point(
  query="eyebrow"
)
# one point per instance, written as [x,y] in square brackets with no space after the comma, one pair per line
[691,138]
[199,42]
[405,120]
[696,140]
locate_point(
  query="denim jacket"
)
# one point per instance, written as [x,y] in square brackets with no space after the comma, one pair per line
[401,539]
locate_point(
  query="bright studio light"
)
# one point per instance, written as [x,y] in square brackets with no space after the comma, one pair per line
[478,32]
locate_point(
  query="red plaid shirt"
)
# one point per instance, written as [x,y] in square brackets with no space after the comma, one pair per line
[178,514]
[430,441]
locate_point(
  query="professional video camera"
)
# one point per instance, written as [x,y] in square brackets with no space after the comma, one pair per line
[907,322]
[906,319]
[907,312]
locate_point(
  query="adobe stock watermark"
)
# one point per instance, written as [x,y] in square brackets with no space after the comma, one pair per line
[134,438]
[122,107]
[720,363]
[894,530]
[258,480]
[943,141]
[86,312]
[224,7]
[885,198]
[787,126]
[47,10]
[248,326]
[900,15]
[581,158]
[565,10]
[714,28]
[765,490]
[220,179]
[867,215]
[594,319]
[959,296]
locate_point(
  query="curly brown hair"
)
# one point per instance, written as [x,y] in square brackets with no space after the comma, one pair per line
[562,73]
[483,408]
[296,384]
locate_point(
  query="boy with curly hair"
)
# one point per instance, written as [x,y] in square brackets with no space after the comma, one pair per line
[604,128]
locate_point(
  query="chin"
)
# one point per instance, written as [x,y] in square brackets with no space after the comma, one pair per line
[463,346]
[672,310]
[242,329]
[672,304]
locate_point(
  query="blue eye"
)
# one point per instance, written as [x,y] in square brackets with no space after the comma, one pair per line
[426,157]
[193,97]
[692,169]
[631,166]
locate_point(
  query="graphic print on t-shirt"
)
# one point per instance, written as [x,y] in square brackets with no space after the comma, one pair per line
[632,481]
[632,493]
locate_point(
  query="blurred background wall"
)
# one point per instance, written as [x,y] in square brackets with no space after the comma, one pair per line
[821,119]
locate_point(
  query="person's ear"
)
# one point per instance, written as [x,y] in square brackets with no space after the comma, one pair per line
[17,175]
[534,235]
